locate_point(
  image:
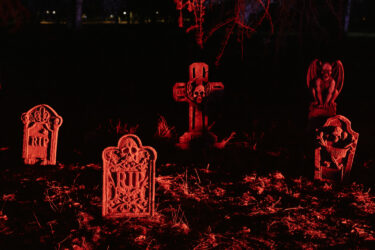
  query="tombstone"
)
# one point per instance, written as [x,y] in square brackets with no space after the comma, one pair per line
[325,81]
[335,150]
[197,93]
[128,179]
[40,133]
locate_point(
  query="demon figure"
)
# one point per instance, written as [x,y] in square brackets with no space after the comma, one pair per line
[325,80]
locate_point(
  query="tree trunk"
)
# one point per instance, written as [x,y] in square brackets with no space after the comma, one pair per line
[347,16]
[78,14]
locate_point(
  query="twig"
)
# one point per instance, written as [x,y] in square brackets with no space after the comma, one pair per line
[199,179]
[37,221]
[186,182]
[52,205]
[68,237]
[75,179]
[293,208]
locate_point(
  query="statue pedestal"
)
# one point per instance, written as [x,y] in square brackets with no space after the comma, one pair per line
[318,111]
[199,138]
[318,115]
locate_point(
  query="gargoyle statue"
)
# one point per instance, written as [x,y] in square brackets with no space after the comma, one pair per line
[325,80]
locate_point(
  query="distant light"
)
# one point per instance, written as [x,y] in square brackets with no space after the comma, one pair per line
[111,16]
[47,11]
[364,18]
[124,13]
[53,12]
[157,12]
[84,16]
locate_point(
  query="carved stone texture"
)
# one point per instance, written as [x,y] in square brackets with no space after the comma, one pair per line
[40,133]
[325,80]
[128,179]
[197,92]
[335,150]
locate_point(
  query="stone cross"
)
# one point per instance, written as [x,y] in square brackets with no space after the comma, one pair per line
[335,150]
[196,92]
[128,179]
[40,133]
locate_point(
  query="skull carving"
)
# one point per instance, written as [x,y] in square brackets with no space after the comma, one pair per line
[199,93]
[339,134]
[129,151]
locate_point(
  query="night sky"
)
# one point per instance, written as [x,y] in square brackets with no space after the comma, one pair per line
[122,67]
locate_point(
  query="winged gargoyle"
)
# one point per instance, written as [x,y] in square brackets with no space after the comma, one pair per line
[325,81]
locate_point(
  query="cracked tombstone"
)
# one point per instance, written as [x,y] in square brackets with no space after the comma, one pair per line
[40,133]
[335,150]
[128,179]
[197,92]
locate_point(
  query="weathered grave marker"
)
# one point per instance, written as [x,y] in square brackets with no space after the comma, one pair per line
[129,179]
[40,133]
[336,147]
[325,80]
[196,92]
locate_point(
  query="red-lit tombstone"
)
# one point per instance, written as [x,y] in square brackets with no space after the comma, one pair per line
[128,179]
[325,80]
[335,150]
[40,133]
[197,92]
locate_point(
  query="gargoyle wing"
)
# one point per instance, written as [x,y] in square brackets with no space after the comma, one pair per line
[313,71]
[338,74]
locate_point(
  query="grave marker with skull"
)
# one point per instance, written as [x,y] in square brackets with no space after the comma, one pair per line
[128,179]
[335,150]
[41,128]
[196,92]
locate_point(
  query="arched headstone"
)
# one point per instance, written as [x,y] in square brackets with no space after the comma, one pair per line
[40,133]
[128,179]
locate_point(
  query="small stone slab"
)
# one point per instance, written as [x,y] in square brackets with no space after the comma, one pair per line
[40,133]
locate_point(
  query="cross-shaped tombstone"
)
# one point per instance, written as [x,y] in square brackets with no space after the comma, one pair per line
[197,91]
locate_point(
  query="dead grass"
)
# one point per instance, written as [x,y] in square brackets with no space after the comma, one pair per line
[196,208]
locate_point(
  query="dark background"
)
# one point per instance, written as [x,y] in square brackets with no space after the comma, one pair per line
[104,72]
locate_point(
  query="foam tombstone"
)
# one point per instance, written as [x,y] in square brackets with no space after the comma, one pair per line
[128,179]
[335,150]
[197,92]
[40,133]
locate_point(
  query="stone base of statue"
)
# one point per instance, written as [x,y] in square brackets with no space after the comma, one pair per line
[321,111]
[318,114]
[192,139]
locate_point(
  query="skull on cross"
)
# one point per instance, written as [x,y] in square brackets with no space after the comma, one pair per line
[199,93]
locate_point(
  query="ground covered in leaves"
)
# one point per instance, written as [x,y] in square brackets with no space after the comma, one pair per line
[198,206]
